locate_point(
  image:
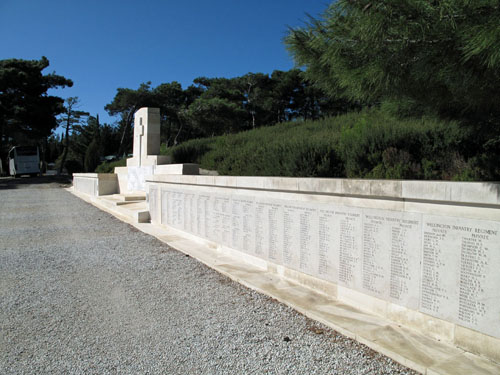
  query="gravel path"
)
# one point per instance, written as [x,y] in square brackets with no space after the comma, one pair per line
[82,292]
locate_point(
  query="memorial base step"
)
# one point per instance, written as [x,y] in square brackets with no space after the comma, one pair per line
[121,200]
[136,211]
[129,197]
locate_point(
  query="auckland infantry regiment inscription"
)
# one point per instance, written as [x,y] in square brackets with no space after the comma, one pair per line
[441,266]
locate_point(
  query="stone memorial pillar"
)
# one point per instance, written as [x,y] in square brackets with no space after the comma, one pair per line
[146,148]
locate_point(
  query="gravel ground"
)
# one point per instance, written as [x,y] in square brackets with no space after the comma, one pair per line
[82,292]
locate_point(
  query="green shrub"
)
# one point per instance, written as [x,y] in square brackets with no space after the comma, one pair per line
[189,152]
[109,167]
[378,145]
[91,157]
[369,144]
[72,166]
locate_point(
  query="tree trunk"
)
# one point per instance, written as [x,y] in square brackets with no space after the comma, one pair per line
[66,147]
[1,146]
[44,146]
[179,132]
[128,124]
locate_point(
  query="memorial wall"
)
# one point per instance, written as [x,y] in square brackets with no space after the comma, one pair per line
[445,266]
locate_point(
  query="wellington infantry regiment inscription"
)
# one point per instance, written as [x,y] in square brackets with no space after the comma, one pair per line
[465,288]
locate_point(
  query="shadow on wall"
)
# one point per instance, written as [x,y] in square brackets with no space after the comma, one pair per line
[494,187]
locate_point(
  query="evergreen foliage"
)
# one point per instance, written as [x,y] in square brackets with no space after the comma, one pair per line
[216,106]
[413,58]
[109,167]
[92,156]
[27,112]
[70,118]
[440,56]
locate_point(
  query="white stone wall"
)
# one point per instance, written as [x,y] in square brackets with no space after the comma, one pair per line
[85,185]
[425,254]
[95,184]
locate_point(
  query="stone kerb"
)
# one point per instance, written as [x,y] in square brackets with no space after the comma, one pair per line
[422,254]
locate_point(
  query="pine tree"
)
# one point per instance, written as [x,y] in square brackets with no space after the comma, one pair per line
[440,56]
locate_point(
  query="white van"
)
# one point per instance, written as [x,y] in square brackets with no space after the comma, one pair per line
[24,160]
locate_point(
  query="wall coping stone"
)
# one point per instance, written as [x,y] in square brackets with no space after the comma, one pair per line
[482,193]
[102,176]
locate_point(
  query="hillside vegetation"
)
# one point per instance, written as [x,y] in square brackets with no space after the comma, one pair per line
[368,144]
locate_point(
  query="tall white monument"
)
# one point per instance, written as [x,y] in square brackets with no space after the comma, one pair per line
[146,148]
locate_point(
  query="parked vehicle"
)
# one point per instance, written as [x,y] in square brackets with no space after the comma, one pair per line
[24,160]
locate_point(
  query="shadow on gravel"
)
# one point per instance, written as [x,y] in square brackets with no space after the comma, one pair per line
[42,182]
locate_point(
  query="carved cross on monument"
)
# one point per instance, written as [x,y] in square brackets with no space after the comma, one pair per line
[146,148]
[146,138]
[138,139]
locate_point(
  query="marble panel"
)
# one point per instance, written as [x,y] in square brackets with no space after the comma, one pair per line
[243,223]
[164,195]
[460,277]
[220,219]
[137,177]
[268,230]
[391,261]
[405,259]
[153,205]
[376,257]
[176,209]
[291,235]
[328,244]
[202,202]
[189,211]
[348,237]
[301,237]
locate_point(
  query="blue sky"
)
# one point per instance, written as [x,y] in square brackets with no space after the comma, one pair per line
[103,45]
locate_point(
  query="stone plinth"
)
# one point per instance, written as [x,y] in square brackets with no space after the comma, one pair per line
[95,184]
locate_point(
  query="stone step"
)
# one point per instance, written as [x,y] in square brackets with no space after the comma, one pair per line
[136,211]
[130,197]
[115,202]
[122,199]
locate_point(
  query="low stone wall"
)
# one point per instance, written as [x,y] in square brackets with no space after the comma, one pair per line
[95,184]
[423,254]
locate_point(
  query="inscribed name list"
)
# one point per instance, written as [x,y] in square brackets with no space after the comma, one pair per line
[460,272]
[268,230]
[243,223]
